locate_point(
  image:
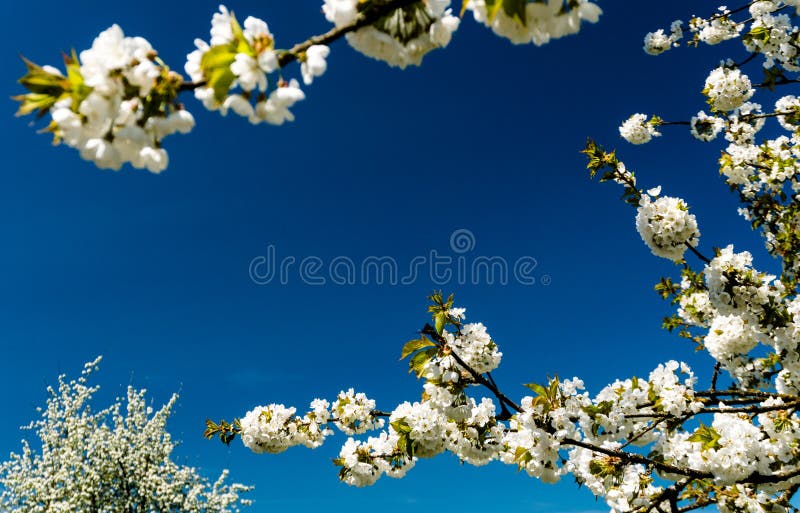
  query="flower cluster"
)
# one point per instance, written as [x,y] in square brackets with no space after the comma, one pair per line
[658,42]
[474,346]
[275,428]
[243,58]
[353,413]
[115,104]
[533,22]
[720,27]
[400,38]
[706,128]
[363,462]
[727,89]
[637,129]
[666,225]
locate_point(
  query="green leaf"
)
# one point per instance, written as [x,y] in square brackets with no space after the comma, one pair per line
[417,362]
[603,407]
[706,435]
[401,426]
[216,66]
[34,102]
[539,389]
[415,345]
[440,319]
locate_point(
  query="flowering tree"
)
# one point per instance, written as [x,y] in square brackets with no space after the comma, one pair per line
[118,459]
[117,101]
[655,443]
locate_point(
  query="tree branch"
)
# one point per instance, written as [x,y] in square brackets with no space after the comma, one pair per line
[364,19]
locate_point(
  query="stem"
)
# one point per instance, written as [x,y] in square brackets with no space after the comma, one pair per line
[629,457]
[714,378]
[782,81]
[748,59]
[697,253]
[504,400]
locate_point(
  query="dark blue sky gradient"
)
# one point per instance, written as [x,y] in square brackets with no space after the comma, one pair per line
[152,271]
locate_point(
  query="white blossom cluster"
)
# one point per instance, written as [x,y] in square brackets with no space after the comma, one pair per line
[720,27]
[122,104]
[695,308]
[624,489]
[743,314]
[738,452]
[659,42]
[353,413]
[115,459]
[543,21]
[243,57]
[426,427]
[727,89]
[772,35]
[665,225]
[274,428]
[637,129]
[789,108]
[738,307]
[364,462]
[473,345]
[744,123]
[477,438]
[730,336]
[735,287]
[706,128]
[402,38]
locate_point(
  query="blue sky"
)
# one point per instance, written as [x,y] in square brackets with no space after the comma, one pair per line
[152,271]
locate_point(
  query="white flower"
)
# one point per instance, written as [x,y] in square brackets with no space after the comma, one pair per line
[275,110]
[314,64]
[238,104]
[248,73]
[221,27]
[340,12]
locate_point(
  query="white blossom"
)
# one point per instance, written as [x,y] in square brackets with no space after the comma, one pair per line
[727,89]
[314,64]
[666,226]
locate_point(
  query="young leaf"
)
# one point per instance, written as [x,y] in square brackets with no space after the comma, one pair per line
[415,345]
